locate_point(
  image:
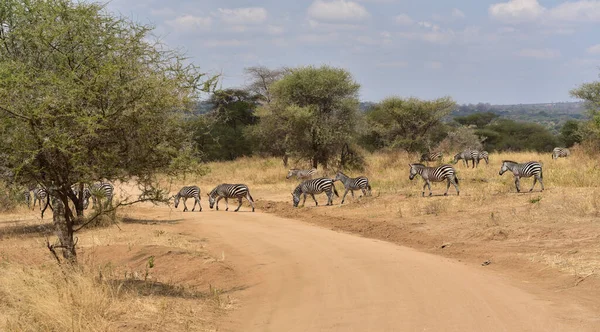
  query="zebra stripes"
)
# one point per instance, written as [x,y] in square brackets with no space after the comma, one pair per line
[39,194]
[226,191]
[86,194]
[528,169]
[312,187]
[351,184]
[101,190]
[27,196]
[484,155]
[560,153]
[435,174]
[301,174]
[188,192]
[466,156]
[431,156]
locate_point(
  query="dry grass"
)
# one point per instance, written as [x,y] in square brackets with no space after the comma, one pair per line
[488,214]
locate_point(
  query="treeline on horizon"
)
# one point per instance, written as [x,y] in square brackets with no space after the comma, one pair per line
[313,114]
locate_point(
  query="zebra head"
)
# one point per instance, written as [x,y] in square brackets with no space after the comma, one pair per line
[296,196]
[291,173]
[211,200]
[339,176]
[176,198]
[457,157]
[413,171]
[504,167]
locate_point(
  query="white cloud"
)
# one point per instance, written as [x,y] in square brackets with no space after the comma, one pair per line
[318,38]
[190,23]
[275,29]
[595,49]
[577,11]
[337,11]
[403,19]
[531,10]
[242,16]
[517,10]
[458,14]
[544,53]
[429,25]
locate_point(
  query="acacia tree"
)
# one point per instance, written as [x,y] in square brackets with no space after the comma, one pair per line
[409,123]
[260,80]
[312,114]
[85,95]
[590,130]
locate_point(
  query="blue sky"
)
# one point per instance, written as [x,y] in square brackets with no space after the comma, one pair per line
[517,51]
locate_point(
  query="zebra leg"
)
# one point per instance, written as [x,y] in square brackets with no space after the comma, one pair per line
[313,197]
[517,184]
[200,205]
[455,186]
[423,192]
[249,198]
[352,192]
[217,202]
[429,185]
[447,187]
[304,201]
[344,197]
[330,197]
[185,206]
[541,182]
[239,206]
[226,204]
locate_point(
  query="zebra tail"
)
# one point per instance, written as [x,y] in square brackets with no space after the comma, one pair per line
[456,178]
[252,199]
[335,192]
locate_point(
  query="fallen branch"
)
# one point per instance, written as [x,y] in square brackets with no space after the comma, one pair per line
[582,279]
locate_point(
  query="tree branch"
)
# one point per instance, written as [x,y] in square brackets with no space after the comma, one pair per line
[16,115]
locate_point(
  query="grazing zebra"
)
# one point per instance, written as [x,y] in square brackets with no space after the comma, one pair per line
[431,156]
[301,174]
[39,195]
[435,174]
[528,169]
[466,156]
[27,196]
[226,191]
[86,194]
[312,187]
[352,184]
[102,190]
[188,192]
[484,155]
[560,153]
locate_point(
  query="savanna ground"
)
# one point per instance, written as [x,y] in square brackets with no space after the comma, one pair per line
[150,273]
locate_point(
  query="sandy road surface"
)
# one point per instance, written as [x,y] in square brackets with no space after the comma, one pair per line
[305,278]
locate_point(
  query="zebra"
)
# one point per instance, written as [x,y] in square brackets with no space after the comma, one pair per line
[484,155]
[301,174]
[528,169]
[435,174]
[312,187]
[226,191]
[39,195]
[86,194]
[27,196]
[560,153]
[102,190]
[466,156]
[188,192]
[351,184]
[431,156]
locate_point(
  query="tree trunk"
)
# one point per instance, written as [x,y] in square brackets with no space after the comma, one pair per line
[64,230]
[285,160]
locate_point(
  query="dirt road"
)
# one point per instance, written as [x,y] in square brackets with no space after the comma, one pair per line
[305,278]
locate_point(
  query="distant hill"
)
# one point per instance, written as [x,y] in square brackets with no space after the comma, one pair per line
[550,115]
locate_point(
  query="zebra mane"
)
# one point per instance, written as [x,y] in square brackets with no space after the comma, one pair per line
[297,190]
[418,164]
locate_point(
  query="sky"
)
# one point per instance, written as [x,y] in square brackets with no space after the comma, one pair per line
[501,52]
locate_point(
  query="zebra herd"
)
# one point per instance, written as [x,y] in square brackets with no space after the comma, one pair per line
[97,191]
[225,190]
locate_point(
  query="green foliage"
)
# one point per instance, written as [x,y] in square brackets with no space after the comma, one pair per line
[460,139]
[86,96]
[313,113]
[220,134]
[478,120]
[510,135]
[590,130]
[411,124]
[570,133]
